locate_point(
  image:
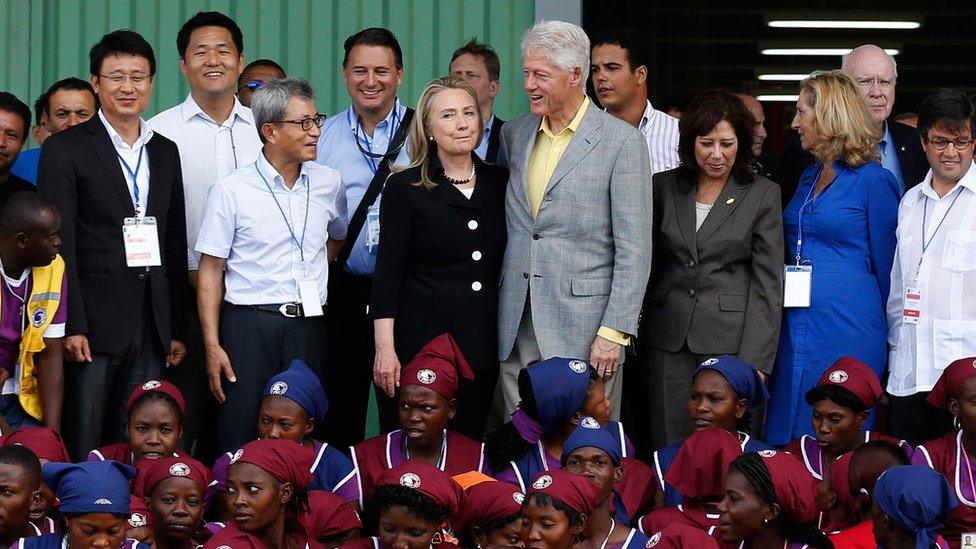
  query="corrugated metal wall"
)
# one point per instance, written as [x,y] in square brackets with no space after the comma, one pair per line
[42,41]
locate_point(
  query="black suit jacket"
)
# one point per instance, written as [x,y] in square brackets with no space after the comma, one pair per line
[912,159]
[80,173]
[12,186]
[427,262]
[494,139]
[718,290]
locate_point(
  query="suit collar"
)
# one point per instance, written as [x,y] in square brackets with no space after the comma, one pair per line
[584,140]
[726,203]
[445,192]
[574,124]
[145,133]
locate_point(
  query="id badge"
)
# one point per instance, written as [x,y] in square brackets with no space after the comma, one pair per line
[797,280]
[913,311]
[373,229]
[308,294]
[968,540]
[141,240]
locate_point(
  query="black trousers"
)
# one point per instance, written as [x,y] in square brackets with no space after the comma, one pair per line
[95,393]
[348,373]
[260,344]
[915,421]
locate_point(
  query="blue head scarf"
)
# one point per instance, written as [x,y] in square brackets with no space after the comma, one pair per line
[300,384]
[590,434]
[90,487]
[743,378]
[559,387]
[917,499]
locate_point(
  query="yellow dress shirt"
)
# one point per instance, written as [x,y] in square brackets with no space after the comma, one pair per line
[545,155]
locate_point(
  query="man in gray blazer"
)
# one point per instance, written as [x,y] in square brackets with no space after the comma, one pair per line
[578,211]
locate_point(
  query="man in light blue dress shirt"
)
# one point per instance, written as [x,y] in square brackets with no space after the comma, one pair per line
[479,66]
[354,142]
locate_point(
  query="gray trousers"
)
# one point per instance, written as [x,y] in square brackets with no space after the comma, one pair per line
[95,393]
[260,345]
[526,350]
[667,386]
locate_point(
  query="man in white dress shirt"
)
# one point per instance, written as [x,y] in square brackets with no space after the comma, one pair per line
[215,134]
[618,66]
[931,310]
[265,239]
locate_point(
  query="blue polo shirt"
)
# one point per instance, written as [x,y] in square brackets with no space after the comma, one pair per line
[26,164]
[339,150]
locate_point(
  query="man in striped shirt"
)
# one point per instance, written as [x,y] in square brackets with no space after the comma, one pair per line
[619,70]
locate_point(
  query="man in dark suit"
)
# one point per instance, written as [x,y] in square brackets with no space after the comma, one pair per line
[478,65]
[15,119]
[900,149]
[119,190]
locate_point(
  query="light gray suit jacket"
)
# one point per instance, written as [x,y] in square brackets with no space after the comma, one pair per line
[585,259]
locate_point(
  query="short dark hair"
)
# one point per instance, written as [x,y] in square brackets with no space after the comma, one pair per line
[386,496]
[258,63]
[120,42]
[71,84]
[373,36]
[836,394]
[21,211]
[10,103]
[483,51]
[22,457]
[630,40]
[702,115]
[208,19]
[946,107]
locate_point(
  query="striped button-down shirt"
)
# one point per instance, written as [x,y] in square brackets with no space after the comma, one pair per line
[661,133]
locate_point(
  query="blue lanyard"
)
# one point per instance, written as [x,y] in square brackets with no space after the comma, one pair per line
[301,245]
[925,243]
[134,175]
[799,222]
[393,127]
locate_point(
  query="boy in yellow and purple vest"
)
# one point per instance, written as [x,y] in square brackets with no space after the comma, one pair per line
[33,311]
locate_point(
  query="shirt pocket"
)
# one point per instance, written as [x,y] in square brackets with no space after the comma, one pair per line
[959,254]
[952,340]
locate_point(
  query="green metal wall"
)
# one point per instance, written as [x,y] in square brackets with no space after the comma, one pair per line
[42,41]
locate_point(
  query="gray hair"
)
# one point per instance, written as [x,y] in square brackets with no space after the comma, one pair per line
[270,101]
[565,44]
[846,58]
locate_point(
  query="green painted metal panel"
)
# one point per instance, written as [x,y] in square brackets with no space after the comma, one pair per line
[42,41]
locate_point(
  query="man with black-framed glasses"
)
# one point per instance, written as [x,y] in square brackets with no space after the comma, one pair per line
[216,135]
[361,142]
[931,312]
[265,239]
[118,187]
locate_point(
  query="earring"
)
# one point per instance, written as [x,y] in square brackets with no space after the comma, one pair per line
[430,138]
[766,520]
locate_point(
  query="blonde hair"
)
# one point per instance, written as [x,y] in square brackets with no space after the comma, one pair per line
[420,136]
[842,119]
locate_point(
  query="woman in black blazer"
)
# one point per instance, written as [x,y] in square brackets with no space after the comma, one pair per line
[716,284]
[442,237]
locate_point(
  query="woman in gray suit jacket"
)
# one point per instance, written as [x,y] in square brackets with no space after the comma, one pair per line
[716,285]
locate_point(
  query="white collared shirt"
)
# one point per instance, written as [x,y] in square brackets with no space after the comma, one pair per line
[946,330]
[130,155]
[661,133]
[243,225]
[208,151]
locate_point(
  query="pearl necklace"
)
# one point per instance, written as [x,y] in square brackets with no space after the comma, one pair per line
[460,181]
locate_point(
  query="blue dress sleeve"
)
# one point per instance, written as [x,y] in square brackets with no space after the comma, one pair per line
[883,196]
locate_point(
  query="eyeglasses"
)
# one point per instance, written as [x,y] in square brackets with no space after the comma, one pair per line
[940,143]
[868,82]
[253,84]
[118,79]
[306,123]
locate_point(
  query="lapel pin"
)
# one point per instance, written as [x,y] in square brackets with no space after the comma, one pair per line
[729,201]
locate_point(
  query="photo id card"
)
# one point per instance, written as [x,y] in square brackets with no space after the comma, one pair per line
[141,240]
[308,294]
[912,310]
[968,540]
[797,280]
[373,229]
